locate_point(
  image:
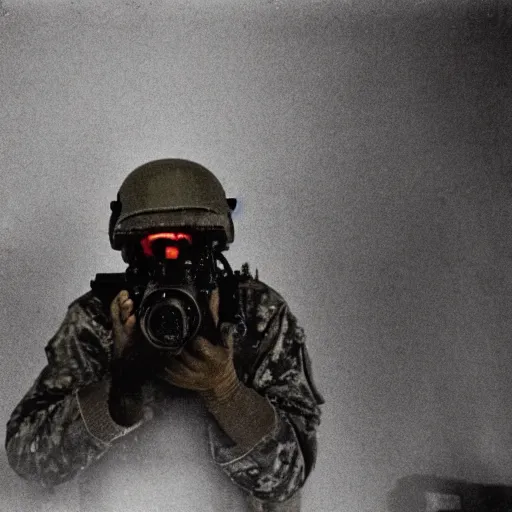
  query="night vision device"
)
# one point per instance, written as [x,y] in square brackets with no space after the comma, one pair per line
[170,280]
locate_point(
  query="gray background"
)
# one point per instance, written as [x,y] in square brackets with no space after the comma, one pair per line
[369,143]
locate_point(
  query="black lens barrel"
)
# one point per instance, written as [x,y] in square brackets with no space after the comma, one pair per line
[169,317]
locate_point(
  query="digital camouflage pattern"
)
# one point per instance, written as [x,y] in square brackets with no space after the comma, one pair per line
[48,439]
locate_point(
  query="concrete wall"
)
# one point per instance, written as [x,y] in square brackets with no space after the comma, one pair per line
[369,143]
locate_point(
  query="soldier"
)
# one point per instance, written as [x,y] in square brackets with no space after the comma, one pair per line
[109,387]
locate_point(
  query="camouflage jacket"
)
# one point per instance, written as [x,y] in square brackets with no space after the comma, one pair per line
[48,438]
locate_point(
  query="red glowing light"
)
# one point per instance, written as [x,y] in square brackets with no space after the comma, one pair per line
[170,252]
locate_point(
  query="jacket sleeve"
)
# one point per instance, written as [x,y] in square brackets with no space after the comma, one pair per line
[278,465]
[62,424]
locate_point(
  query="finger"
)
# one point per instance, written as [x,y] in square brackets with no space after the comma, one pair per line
[189,361]
[227,332]
[115,305]
[130,322]
[173,366]
[114,308]
[214,305]
[177,372]
[201,348]
[170,377]
[122,296]
[126,309]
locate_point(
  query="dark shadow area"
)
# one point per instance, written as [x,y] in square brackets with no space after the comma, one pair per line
[410,495]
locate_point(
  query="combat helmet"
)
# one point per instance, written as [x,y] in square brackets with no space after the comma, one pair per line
[168,194]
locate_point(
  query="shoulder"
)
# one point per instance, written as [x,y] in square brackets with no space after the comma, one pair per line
[259,302]
[78,351]
[271,328]
[86,324]
[90,308]
[263,309]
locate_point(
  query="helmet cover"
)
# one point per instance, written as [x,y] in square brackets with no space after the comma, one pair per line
[168,194]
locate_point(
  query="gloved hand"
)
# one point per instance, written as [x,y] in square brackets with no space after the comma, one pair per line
[130,365]
[124,328]
[206,365]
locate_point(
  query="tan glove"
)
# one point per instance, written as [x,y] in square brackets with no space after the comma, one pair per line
[244,415]
[206,365]
[124,325]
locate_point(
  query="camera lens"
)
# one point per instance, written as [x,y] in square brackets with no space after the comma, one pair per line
[169,316]
[167,322]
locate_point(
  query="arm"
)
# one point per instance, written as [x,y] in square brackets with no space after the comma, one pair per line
[63,423]
[282,453]
[266,435]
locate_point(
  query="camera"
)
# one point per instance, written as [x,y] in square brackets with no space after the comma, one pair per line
[170,281]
